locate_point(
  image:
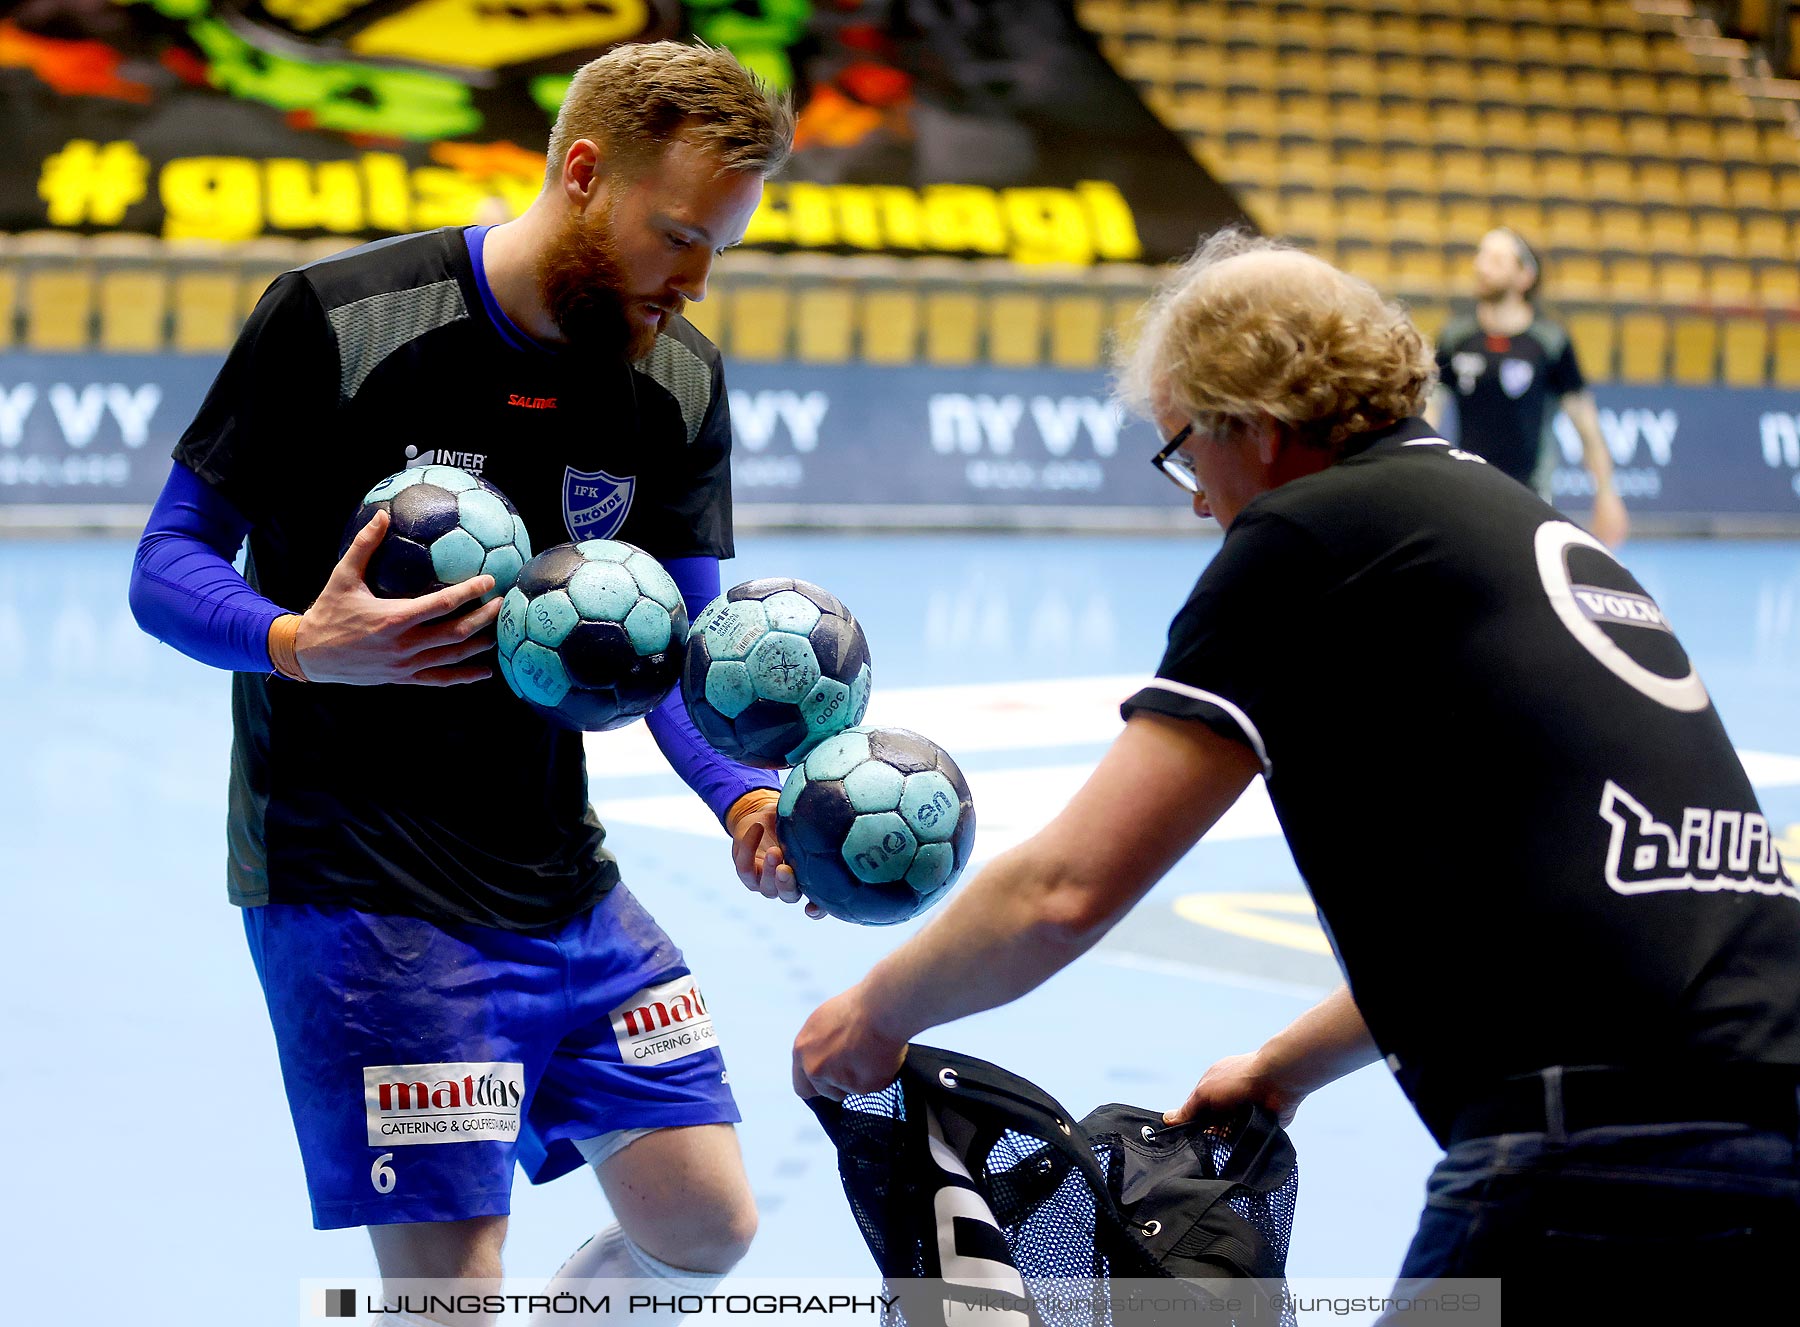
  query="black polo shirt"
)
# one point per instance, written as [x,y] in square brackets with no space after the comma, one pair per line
[1527,834]
[456,803]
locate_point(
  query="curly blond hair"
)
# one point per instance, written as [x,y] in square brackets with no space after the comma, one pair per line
[1249,327]
[634,100]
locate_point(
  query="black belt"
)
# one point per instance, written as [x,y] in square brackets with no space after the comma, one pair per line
[1763,1096]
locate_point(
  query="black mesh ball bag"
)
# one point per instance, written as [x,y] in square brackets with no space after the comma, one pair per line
[975,1190]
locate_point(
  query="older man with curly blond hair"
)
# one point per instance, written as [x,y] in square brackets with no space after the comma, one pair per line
[1557,906]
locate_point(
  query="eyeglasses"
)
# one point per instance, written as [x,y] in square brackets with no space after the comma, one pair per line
[1173,462]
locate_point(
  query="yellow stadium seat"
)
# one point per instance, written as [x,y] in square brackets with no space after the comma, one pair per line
[1717,235]
[1077,330]
[1420,271]
[1670,232]
[1455,125]
[207,310]
[1704,185]
[1746,352]
[1371,263]
[1507,127]
[1417,220]
[952,327]
[889,325]
[1787,355]
[1353,74]
[1363,216]
[1738,141]
[1612,180]
[1623,229]
[1429,316]
[1015,327]
[1468,219]
[1639,92]
[1778,286]
[1593,333]
[1680,280]
[134,308]
[760,315]
[1492,41]
[1643,347]
[1252,67]
[1544,87]
[1600,133]
[1695,345]
[1694,141]
[1766,236]
[1578,276]
[1787,191]
[1585,47]
[1539,45]
[1570,225]
[1562,178]
[1513,174]
[1253,111]
[1464,171]
[1308,216]
[1591,89]
[1631,280]
[59,307]
[1660,182]
[1308,164]
[1730,284]
[1627,50]
[9,303]
[1753,187]
[1445,36]
[824,323]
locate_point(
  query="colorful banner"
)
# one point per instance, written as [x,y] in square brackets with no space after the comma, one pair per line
[980,129]
[905,446]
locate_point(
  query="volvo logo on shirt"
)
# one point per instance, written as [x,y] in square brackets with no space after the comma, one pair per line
[1710,849]
[595,503]
[1612,619]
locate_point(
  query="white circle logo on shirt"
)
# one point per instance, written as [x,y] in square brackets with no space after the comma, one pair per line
[1596,608]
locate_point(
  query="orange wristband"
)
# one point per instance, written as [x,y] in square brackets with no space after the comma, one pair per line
[284,656]
[748,805]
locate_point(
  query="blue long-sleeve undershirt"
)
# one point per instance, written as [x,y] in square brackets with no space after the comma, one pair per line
[718,780]
[184,590]
[186,593]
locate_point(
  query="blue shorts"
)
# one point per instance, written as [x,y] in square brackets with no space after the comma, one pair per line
[421,1059]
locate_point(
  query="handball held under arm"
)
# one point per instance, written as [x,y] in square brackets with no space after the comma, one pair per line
[352,635]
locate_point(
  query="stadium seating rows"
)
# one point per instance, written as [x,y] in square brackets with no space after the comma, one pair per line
[126,294]
[1389,135]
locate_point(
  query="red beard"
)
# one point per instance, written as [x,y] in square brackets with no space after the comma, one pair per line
[583,285]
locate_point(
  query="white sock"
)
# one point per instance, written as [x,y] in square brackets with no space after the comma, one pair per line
[610,1264]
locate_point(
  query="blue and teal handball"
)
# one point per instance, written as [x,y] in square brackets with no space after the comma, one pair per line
[592,636]
[444,526]
[775,667]
[877,824]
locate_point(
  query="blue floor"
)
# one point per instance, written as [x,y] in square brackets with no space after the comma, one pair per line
[140,1091]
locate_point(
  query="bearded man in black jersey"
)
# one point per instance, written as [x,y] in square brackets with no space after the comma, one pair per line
[1560,913]
[458,978]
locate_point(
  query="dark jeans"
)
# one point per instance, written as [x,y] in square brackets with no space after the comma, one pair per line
[1671,1222]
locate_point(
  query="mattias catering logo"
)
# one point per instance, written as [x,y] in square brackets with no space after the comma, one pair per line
[442,1103]
[663,1023]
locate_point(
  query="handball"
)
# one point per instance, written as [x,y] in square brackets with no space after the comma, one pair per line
[774,667]
[877,824]
[444,526]
[592,635]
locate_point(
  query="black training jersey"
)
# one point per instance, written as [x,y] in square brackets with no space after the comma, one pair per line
[458,802]
[1518,813]
[1507,390]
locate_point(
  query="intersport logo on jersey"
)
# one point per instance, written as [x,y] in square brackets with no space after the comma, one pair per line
[663,1023]
[442,1103]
